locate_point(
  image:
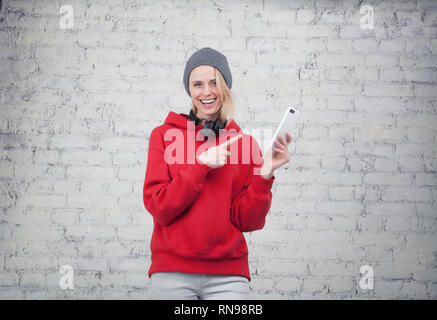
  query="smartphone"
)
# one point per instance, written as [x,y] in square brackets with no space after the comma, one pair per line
[287,124]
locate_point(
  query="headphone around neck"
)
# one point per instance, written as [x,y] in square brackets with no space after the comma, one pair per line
[214,125]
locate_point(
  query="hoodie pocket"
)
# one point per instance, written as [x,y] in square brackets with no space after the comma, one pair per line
[206,231]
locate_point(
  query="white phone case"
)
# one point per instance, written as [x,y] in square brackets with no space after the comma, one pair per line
[287,124]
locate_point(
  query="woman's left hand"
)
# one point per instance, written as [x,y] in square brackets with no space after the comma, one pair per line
[278,156]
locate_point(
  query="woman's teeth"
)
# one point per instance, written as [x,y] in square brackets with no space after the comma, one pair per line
[207,101]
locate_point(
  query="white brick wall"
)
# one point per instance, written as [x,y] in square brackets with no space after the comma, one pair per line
[78,106]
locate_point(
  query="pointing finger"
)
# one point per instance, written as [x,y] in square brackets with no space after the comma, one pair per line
[230,141]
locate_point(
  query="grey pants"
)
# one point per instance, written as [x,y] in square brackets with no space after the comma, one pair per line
[194,286]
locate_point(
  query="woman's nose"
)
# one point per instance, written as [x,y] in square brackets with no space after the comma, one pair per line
[206,90]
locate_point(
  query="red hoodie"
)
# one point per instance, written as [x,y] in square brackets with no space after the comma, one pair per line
[199,213]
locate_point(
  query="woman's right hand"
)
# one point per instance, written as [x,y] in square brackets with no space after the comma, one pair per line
[215,157]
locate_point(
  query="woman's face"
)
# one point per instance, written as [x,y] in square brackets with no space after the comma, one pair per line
[204,92]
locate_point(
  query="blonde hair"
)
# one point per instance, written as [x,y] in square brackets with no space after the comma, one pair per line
[227,108]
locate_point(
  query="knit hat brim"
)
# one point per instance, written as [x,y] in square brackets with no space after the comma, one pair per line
[209,57]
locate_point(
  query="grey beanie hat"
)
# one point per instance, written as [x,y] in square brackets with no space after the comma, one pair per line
[210,57]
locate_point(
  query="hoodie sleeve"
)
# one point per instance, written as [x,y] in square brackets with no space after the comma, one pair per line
[167,198]
[251,205]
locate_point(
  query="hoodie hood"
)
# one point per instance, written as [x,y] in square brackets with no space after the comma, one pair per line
[180,120]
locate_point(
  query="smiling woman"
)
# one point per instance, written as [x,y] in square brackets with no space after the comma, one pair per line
[201,208]
[211,97]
